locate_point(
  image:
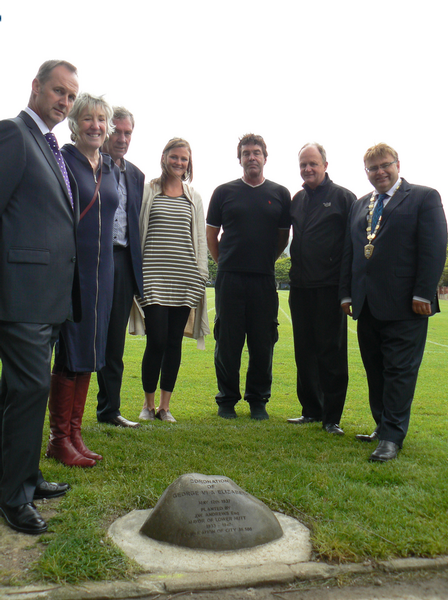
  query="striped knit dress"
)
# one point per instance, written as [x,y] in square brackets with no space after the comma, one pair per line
[170,272]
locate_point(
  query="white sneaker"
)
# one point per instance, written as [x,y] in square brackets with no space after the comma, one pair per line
[147,415]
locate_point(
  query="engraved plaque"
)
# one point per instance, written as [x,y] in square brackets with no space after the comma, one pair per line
[210,512]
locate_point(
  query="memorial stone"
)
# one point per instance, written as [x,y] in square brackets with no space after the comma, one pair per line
[210,512]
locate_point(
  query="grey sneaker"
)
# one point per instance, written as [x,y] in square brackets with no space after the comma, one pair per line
[165,415]
[147,415]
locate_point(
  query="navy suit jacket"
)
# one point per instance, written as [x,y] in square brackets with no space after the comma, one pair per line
[37,229]
[135,180]
[408,258]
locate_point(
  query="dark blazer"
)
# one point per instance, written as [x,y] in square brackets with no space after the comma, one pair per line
[37,229]
[135,180]
[408,258]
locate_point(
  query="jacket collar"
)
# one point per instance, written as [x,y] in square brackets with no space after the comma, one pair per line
[43,144]
[326,181]
[399,196]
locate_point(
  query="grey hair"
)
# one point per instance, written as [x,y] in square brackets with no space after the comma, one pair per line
[120,112]
[89,101]
[318,147]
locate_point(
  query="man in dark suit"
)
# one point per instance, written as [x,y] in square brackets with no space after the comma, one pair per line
[128,278]
[395,250]
[38,214]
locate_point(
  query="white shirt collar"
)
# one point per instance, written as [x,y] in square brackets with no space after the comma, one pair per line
[250,185]
[393,188]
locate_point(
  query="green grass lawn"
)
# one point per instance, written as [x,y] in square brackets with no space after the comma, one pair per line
[355,509]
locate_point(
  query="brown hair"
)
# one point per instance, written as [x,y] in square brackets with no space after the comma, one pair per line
[251,138]
[44,72]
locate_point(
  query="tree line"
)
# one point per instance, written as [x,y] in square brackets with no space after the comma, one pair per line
[282,267]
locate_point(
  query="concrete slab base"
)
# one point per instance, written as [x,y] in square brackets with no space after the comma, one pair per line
[157,557]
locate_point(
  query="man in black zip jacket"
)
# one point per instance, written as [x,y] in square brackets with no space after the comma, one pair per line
[319,216]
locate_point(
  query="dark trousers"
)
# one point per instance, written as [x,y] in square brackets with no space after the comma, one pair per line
[111,375]
[246,308]
[392,352]
[164,332]
[320,348]
[25,352]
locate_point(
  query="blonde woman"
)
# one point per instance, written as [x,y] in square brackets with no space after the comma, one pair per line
[174,251]
[81,347]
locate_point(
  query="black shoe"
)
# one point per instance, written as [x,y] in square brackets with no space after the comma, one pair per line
[50,490]
[333,428]
[303,420]
[258,411]
[121,422]
[385,451]
[226,411]
[368,438]
[24,518]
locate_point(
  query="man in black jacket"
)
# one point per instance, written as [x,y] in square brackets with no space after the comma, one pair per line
[319,216]
[128,278]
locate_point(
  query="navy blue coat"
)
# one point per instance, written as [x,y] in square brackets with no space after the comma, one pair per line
[84,343]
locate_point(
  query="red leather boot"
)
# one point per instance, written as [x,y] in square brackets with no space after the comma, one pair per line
[81,389]
[60,406]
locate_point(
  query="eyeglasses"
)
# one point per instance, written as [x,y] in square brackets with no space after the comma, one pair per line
[383,167]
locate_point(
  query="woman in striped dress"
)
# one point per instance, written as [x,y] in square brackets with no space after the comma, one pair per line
[174,250]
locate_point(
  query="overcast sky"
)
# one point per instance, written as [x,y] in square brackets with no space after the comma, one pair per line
[345,73]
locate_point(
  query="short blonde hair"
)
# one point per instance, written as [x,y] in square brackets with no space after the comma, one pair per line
[82,102]
[379,151]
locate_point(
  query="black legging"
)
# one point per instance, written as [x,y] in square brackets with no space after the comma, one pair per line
[164,331]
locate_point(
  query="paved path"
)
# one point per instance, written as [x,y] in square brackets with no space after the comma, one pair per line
[402,579]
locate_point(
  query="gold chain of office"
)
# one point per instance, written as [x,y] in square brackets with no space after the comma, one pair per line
[369,248]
